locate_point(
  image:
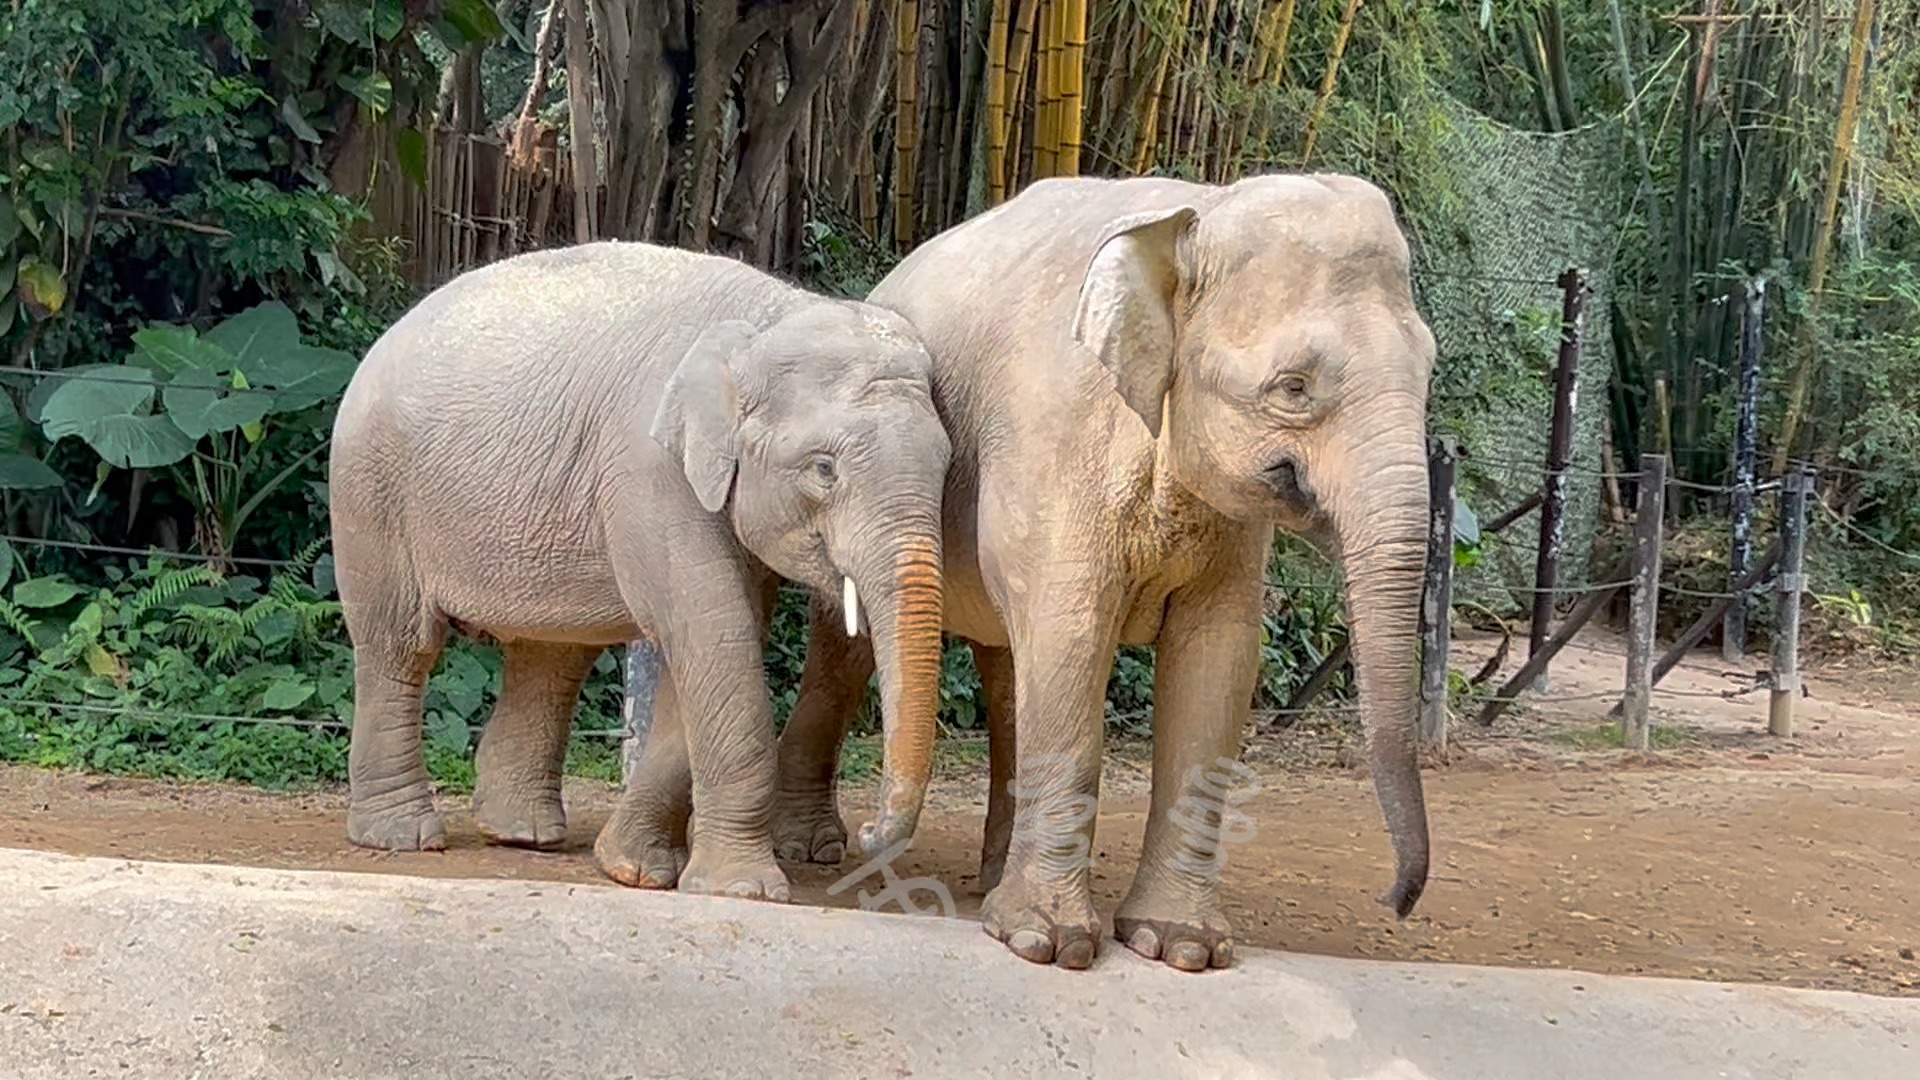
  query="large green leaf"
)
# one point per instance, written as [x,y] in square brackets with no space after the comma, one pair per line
[200,406]
[12,429]
[358,21]
[51,383]
[44,592]
[374,90]
[261,330]
[475,19]
[411,147]
[265,343]
[171,350]
[18,472]
[110,412]
[286,694]
[41,287]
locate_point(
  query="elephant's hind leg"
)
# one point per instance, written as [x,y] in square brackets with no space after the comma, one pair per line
[389,805]
[517,770]
[644,844]
[996,686]
[806,818]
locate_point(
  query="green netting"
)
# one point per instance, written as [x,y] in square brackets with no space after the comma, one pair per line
[1517,209]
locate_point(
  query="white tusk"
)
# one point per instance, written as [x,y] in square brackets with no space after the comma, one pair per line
[850,603]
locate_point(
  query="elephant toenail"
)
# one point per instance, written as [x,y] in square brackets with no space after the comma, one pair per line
[1144,941]
[1223,954]
[1031,945]
[831,853]
[1189,955]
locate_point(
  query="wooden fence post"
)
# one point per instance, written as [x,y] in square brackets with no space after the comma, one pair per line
[642,671]
[1644,607]
[1546,574]
[1733,630]
[1437,602]
[1789,583]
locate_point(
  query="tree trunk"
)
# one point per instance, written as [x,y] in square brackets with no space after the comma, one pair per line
[586,180]
[906,106]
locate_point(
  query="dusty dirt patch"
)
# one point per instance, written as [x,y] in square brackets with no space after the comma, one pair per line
[1731,855]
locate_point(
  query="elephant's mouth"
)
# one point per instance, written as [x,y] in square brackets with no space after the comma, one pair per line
[1283,479]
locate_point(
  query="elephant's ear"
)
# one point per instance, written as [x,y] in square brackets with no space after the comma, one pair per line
[700,409]
[1126,313]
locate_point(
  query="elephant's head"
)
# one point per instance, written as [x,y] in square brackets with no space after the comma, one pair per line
[817,434]
[1267,336]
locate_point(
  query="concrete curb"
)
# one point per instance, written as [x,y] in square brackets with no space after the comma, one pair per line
[121,968]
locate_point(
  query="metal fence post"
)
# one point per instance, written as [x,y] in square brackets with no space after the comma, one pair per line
[1733,630]
[1789,583]
[1437,603]
[1644,607]
[1546,573]
[642,671]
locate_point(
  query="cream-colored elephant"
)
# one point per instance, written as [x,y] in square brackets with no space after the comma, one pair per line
[1141,379]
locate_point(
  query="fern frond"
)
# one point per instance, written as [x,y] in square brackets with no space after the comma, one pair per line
[17,620]
[168,586]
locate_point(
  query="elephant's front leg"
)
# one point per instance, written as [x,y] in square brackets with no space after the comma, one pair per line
[644,843]
[1042,907]
[721,699]
[1206,663]
[807,825]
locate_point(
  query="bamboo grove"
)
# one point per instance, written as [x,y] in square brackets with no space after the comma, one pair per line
[1759,136]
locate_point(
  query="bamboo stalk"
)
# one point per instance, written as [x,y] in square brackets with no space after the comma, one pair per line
[1073,25]
[1326,84]
[997,103]
[1843,138]
[906,75]
[1020,65]
[1046,91]
[1275,73]
[1145,131]
[1187,137]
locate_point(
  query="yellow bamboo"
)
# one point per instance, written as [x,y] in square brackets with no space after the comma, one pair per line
[997,104]
[1020,51]
[1823,231]
[1144,131]
[1326,83]
[1275,69]
[906,83]
[1073,42]
[1187,135]
[1046,91]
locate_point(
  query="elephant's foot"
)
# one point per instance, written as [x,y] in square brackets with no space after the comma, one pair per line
[743,879]
[519,817]
[411,826]
[638,854]
[1190,935]
[1044,924]
[807,829]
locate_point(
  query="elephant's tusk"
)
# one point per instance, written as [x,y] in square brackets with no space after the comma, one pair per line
[850,603]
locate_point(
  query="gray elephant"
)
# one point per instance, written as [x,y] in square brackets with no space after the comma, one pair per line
[569,448]
[1141,379]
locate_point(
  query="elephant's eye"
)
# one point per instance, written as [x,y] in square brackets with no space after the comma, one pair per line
[1293,388]
[821,466]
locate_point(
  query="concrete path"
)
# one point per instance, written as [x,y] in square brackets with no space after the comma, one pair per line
[112,968]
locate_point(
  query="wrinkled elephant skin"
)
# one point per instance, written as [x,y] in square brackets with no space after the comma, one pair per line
[1142,378]
[568,449]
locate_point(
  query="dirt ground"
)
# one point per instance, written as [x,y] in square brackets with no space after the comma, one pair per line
[1725,854]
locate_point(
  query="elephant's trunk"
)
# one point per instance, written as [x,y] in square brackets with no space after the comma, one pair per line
[904,614]
[1382,531]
